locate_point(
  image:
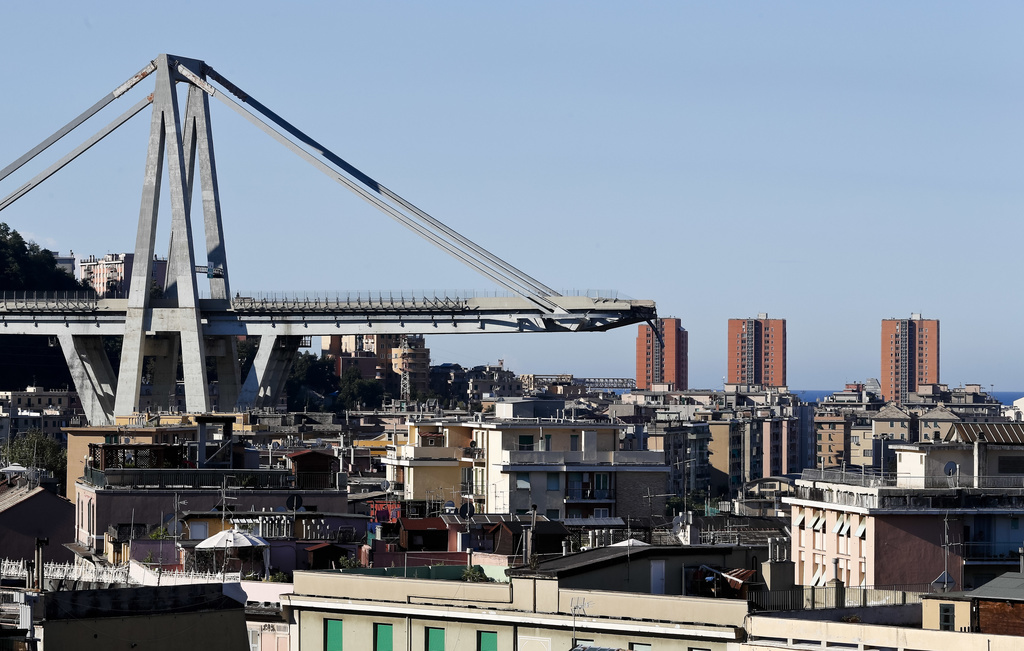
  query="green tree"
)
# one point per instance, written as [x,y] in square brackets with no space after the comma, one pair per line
[312,378]
[24,266]
[354,392]
[35,449]
[27,359]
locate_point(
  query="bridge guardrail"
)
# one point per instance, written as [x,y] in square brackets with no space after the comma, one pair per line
[48,301]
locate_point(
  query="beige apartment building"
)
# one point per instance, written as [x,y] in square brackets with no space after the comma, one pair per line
[951,506]
[567,468]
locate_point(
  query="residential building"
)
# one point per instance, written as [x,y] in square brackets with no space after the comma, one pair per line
[910,356]
[756,352]
[951,506]
[383,357]
[567,468]
[206,466]
[662,355]
[110,276]
[558,605]
[164,618]
[687,453]
[36,408]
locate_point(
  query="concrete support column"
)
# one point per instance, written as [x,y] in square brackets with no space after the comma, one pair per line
[92,374]
[164,351]
[265,383]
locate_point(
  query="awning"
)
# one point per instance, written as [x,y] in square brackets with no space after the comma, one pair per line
[846,526]
[839,524]
[862,528]
[799,519]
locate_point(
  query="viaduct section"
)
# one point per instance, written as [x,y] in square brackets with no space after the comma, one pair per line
[182,327]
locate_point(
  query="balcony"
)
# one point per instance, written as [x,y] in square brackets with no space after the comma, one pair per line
[576,458]
[189,478]
[414,453]
[574,494]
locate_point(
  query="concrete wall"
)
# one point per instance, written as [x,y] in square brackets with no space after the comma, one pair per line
[767,632]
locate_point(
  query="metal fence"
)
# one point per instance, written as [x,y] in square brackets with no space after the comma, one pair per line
[18,569]
[819,598]
[54,301]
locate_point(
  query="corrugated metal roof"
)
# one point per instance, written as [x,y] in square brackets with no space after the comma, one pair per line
[999,433]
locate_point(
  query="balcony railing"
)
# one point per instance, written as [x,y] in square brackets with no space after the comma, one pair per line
[236,479]
[576,457]
[590,494]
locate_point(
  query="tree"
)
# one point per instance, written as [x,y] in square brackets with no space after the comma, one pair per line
[24,266]
[311,379]
[27,359]
[35,449]
[354,392]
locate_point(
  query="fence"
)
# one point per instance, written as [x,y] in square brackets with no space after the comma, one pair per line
[815,598]
[18,569]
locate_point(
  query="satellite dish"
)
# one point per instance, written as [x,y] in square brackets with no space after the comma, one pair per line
[472,444]
[280,509]
[951,468]
[467,510]
[275,445]
[385,485]
[294,502]
[301,509]
[449,507]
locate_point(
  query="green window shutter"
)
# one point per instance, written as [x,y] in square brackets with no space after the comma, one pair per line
[332,635]
[435,639]
[382,637]
[487,641]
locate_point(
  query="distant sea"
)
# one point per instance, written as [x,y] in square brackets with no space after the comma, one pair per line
[814,395]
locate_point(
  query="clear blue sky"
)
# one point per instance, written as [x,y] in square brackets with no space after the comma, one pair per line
[833,164]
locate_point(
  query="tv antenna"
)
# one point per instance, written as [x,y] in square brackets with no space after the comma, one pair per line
[578,605]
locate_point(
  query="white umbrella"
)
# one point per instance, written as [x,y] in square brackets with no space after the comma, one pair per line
[232,538]
[13,468]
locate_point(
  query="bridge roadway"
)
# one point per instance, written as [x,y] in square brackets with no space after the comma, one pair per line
[85,315]
[183,330]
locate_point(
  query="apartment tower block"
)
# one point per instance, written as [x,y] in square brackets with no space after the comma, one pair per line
[662,361]
[757,352]
[910,356]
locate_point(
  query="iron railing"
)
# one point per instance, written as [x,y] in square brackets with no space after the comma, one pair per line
[235,479]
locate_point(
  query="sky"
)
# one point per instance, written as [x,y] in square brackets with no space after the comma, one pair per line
[833,164]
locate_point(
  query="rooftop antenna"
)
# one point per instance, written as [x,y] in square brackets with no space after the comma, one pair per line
[577,605]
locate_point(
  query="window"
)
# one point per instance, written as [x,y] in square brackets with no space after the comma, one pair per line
[525,442]
[601,485]
[435,639]
[946,617]
[638,646]
[574,442]
[382,637]
[552,514]
[332,635]
[553,481]
[486,641]
[523,481]
[602,513]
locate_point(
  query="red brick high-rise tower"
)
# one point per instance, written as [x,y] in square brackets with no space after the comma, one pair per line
[757,352]
[659,363]
[910,356]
